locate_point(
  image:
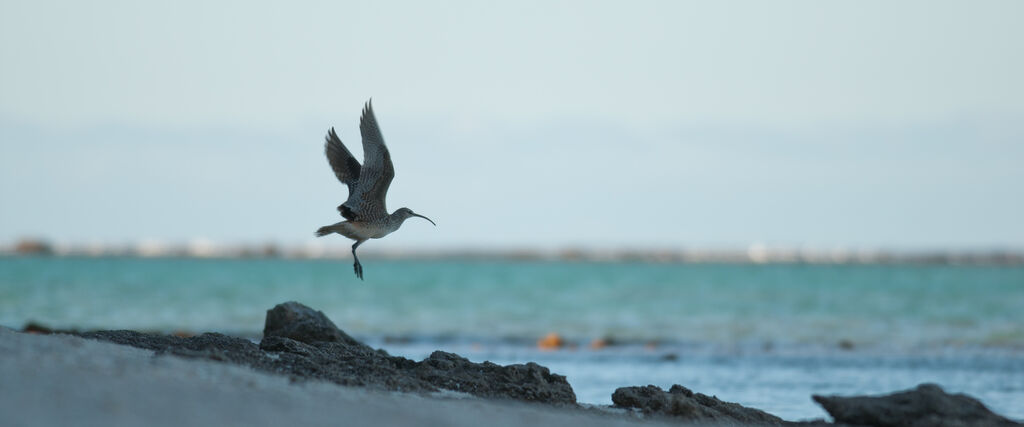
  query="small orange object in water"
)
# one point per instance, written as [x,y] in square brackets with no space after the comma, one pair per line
[550,342]
[598,343]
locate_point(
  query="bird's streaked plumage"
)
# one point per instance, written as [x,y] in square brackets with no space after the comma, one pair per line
[344,164]
[365,209]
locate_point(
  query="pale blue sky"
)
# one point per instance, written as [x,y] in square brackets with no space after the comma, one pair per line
[529,124]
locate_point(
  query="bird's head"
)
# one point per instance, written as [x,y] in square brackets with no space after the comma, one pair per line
[405,213]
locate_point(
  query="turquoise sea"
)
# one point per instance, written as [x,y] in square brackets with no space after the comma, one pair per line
[767,336]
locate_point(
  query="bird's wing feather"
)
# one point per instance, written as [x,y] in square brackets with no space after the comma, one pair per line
[343,163]
[367,201]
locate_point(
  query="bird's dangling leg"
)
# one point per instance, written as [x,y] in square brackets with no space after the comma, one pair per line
[357,266]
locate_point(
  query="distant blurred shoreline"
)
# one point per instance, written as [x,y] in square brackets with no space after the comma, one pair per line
[753,254]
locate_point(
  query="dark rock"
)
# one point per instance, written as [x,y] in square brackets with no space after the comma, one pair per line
[304,344]
[41,329]
[530,382]
[35,328]
[208,346]
[301,323]
[353,365]
[926,406]
[683,403]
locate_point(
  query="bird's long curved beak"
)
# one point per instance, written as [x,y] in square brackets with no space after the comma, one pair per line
[428,219]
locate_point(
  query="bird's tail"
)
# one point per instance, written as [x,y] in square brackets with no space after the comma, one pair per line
[325,230]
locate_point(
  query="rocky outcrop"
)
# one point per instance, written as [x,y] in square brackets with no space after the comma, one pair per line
[680,402]
[300,323]
[208,346]
[530,382]
[926,406]
[304,344]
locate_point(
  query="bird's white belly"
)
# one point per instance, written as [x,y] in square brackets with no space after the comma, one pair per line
[363,231]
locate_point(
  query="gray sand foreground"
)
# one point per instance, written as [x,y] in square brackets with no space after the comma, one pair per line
[56,380]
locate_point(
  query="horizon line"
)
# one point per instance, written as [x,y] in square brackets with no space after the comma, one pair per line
[756,253]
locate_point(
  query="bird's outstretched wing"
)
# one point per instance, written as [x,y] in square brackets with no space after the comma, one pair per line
[366,202]
[345,166]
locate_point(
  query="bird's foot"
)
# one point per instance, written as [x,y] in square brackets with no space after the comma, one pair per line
[359,270]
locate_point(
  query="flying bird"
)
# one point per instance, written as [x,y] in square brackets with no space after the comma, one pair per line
[366,216]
